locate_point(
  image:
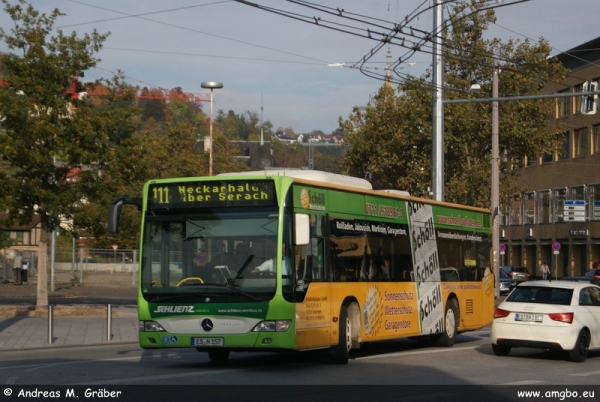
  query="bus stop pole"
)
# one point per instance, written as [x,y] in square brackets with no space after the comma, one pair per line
[50,326]
[109,322]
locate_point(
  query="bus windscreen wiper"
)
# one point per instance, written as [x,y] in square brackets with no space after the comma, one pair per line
[235,289]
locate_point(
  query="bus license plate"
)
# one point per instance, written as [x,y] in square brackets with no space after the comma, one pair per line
[214,342]
[528,317]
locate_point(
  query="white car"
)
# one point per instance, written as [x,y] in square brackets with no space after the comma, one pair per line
[556,315]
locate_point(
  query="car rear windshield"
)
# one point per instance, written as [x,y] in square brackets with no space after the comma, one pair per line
[532,294]
[518,269]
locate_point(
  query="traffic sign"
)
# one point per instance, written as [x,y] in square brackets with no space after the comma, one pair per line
[556,246]
[503,247]
[115,247]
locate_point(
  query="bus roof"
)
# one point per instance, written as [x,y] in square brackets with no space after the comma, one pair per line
[313,175]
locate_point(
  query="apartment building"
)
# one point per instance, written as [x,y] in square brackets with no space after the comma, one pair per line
[557,219]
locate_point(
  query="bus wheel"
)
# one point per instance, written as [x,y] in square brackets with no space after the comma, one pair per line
[448,337]
[342,349]
[218,356]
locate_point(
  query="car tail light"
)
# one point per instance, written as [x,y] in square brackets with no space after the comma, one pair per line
[527,275]
[597,276]
[511,274]
[562,317]
[500,313]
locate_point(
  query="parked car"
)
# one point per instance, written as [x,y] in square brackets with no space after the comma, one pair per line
[555,315]
[506,283]
[519,274]
[585,279]
[593,273]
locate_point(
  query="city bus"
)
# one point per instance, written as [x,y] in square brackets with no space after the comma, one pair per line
[346,264]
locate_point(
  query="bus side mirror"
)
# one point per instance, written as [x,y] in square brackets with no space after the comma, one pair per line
[301,229]
[114,212]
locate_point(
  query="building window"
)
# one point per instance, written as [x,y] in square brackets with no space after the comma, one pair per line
[515,213]
[582,142]
[532,160]
[559,196]
[564,105]
[543,207]
[17,237]
[596,138]
[529,208]
[578,193]
[578,88]
[547,158]
[566,149]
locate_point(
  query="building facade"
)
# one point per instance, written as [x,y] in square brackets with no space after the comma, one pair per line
[557,219]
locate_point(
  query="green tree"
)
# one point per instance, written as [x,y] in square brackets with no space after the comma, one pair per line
[288,155]
[5,241]
[47,134]
[392,138]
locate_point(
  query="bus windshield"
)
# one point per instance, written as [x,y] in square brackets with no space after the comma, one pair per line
[218,255]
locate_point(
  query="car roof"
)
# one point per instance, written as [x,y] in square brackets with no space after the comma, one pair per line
[557,284]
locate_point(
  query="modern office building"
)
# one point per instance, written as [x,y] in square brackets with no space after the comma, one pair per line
[557,219]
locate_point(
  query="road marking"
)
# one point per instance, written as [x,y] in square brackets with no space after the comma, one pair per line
[586,374]
[32,367]
[417,352]
[11,380]
[524,382]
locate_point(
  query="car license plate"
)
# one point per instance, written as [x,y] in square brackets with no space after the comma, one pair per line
[213,342]
[529,317]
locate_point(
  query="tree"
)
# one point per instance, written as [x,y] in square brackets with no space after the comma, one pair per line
[5,241]
[47,132]
[392,138]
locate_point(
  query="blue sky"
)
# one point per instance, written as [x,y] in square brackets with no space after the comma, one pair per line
[281,63]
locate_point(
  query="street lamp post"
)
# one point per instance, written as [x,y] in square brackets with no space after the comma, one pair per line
[212,85]
[495,179]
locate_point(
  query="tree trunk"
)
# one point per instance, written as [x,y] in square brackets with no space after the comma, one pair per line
[42,274]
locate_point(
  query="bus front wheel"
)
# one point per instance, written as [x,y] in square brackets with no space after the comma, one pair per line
[342,349]
[448,337]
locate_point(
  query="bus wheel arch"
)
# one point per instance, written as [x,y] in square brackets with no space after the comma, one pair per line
[451,320]
[348,327]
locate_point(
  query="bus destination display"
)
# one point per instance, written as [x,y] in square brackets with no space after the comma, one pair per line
[211,194]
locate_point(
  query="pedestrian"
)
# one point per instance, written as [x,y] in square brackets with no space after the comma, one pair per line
[595,264]
[545,270]
[17,266]
[24,269]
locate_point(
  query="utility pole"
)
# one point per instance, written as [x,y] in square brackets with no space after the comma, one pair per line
[495,201]
[437,140]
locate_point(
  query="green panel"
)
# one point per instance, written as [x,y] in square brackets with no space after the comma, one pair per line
[253,310]
[460,219]
[310,199]
[385,209]
[346,203]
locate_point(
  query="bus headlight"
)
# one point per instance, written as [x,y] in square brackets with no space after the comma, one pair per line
[151,326]
[272,326]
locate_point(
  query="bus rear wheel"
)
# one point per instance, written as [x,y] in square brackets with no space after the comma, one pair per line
[218,356]
[342,349]
[448,337]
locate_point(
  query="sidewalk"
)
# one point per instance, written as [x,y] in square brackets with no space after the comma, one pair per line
[20,333]
[73,324]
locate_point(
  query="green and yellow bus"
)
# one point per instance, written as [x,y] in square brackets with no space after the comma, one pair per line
[298,260]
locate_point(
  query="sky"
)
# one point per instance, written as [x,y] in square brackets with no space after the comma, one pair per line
[295,74]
